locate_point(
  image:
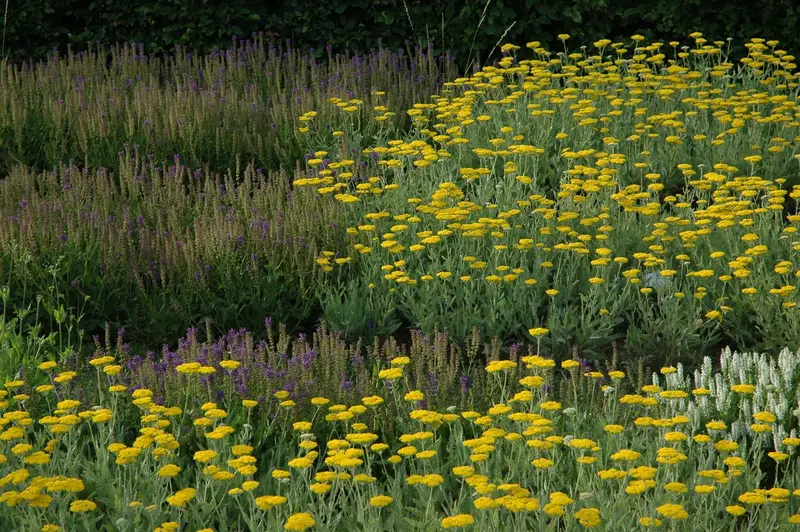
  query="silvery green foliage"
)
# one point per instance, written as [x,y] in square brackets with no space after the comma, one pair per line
[738,430]
[776,380]
[778,434]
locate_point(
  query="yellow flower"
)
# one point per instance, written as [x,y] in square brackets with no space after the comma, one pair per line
[204,456]
[673,394]
[735,510]
[649,521]
[301,463]
[538,331]
[37,458]
[500,365]
[68,404]
[414,395]
[373,400]
[554,510]
[82,505]
[542,463]
[320,488]
[751,497]
[391,374]
[21,448]
[72,485]
[379,501]
[588,517]
[765,417]
[458,521]
[672,511]
[550,405]
[65,376]
[726,445]
[181,497]
[268,501]
[101,361]
[250,485]
[676,487]
[611,474]
[169,470]
[230,364]
[675,436]
[627,455]
[485,503]
[299,522]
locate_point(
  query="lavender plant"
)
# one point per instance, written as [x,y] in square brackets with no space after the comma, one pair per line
[159,247]
[252,100]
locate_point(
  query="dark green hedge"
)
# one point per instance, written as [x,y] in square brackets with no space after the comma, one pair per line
[35,27]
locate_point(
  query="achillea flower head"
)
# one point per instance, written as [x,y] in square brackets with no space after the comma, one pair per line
[299,522]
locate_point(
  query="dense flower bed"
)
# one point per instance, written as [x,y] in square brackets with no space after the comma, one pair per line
[713,448]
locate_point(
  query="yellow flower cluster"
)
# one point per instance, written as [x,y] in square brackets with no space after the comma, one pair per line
[637,174]
[515,175]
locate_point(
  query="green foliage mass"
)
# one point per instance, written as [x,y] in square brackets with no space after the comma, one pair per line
[35,27]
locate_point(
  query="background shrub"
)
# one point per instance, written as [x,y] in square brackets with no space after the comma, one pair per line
[34,28]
